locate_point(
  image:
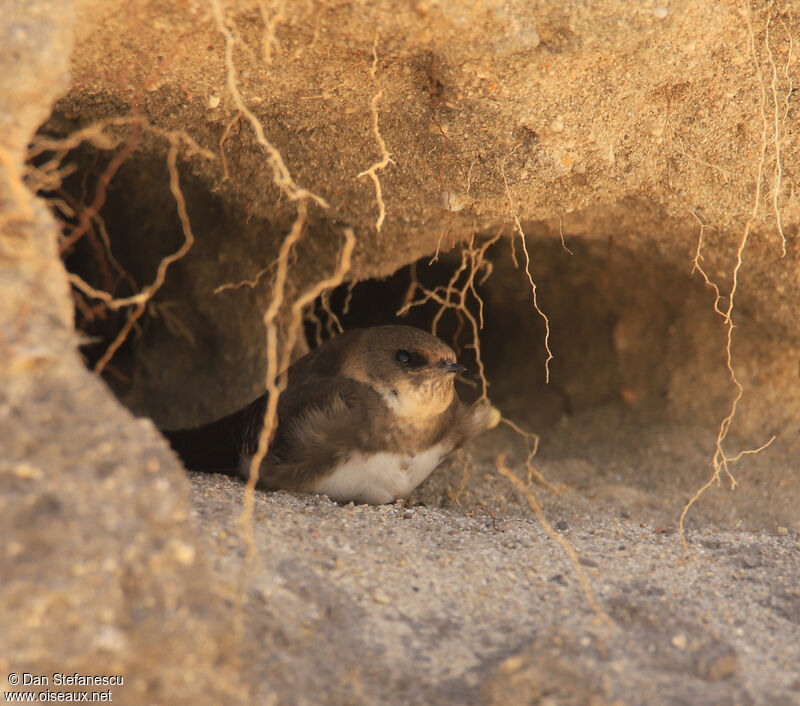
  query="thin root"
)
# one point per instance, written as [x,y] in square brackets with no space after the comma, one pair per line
[145,295]
[721,461]
[521,232]
[386,158]
[555,536]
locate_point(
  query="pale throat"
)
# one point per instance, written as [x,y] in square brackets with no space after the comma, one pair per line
[418,404]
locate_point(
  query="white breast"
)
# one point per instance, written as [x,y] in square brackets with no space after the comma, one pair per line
[378,478]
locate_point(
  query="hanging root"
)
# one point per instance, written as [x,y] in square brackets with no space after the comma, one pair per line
[146,294]
[386,158]
[473,271]
[456,297]
[779,121]
[100,134]
[252,283]
[555,536]
[721,461]
[521,233]
[534,474]
[280,172]
[278,361]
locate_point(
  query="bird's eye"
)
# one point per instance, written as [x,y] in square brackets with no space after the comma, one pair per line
[402,357]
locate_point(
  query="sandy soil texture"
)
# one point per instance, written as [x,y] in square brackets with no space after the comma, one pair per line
[610,183]
[420,605]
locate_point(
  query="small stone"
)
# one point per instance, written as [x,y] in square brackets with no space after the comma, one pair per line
[717,667]
[110,638]
[680,641]
[782,530]
[512,664]
[557,126]
[562,526]
[380,597]
[182,551]
[25,470]
[660,12]
[213,101]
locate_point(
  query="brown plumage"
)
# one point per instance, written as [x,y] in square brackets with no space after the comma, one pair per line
[365,417]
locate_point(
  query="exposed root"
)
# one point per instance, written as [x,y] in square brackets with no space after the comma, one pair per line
[351,285]
[278,361]
[332,324]
[462,459]
[521,232]
[456,297]
[49,177]
[386,158]
[721,461]
[274,386]
[252,283]
[555,536]
[711,481]
[88,213]
[172,321]
[226,173]
[487,511]
[312,317]
[698,267]
[270,25]
[561,235]
[146,294]
[778,121]
[97,134]
[476,269]
[534,474]
[280,172]
[104,236]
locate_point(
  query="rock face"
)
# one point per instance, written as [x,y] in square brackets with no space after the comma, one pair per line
[101,574]
[628,149]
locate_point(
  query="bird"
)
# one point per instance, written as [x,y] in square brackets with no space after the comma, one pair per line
[365,417]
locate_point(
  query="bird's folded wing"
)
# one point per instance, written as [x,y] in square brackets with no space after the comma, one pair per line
[319,423]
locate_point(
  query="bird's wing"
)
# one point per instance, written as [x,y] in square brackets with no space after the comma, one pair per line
[319,422]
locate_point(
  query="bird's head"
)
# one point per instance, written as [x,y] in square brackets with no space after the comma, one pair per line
[412,370]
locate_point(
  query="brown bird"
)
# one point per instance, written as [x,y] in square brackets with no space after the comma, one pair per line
[366,417]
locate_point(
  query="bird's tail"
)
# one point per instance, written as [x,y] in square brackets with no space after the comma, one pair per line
[214,447]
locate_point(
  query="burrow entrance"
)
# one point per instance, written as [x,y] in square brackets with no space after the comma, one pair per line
[626,410]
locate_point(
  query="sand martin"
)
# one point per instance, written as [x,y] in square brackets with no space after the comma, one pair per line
[365,417]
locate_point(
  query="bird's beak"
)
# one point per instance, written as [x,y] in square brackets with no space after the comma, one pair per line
[447,367]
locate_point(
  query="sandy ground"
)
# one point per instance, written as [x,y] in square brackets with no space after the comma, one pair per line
[428,605]
[634,126]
